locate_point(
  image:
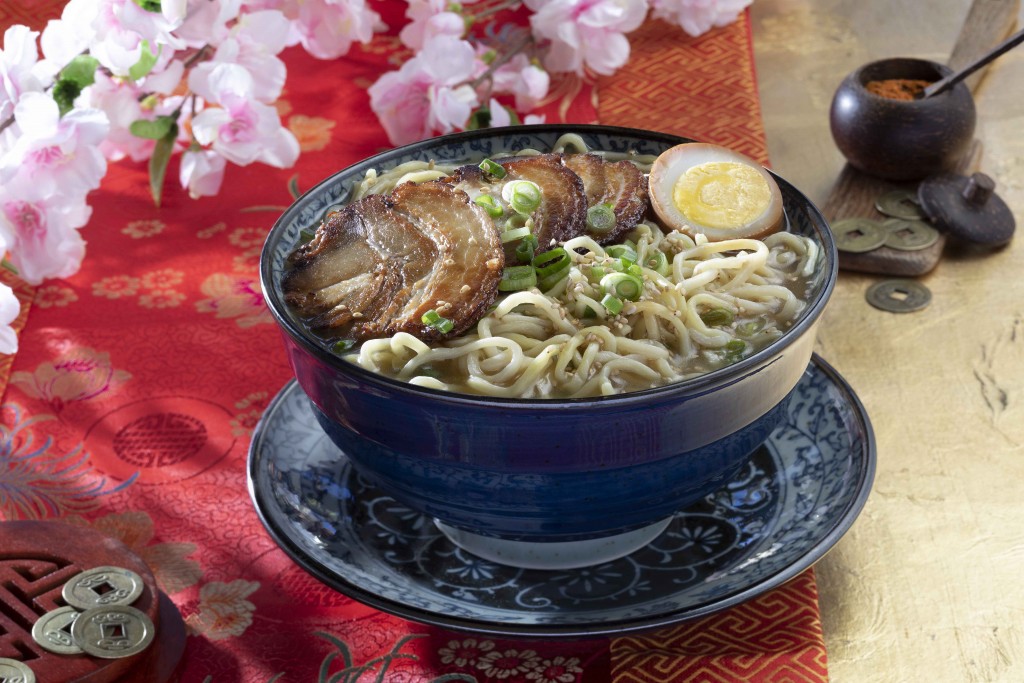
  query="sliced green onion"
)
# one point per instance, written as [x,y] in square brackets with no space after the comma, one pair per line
[517,220]
[601,218]
[750,329]
[492,207]
[551,267]
[715,317]
[624,285]
[611,304]
[514,234]
[657,261]
[522,195]
[343,345]
[306,235]
[596,273]
[589,312]
[633,269]
[437,321]
[516,278]
[492,168]
[622,251]
[552,261]
[735,347]
[526,249]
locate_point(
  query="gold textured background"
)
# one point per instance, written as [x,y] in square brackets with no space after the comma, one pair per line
[929,583]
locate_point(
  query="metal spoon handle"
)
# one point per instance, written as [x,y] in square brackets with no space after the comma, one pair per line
[951,80]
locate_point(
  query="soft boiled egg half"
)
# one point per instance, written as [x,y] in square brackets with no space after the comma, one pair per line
[704,189]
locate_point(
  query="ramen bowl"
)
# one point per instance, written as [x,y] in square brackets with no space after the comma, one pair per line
[543,482]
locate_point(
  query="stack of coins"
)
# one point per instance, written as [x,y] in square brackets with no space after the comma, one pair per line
[98,619]
[78,606]
[904,229]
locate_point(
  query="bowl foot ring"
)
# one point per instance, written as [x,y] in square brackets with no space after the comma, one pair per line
[553,555]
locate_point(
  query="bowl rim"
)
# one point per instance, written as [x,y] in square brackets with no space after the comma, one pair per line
[692,387]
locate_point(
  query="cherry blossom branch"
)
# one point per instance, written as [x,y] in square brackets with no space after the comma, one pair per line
[485,10]
[502,59]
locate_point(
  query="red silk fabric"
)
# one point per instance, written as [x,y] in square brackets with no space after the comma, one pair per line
[130,405]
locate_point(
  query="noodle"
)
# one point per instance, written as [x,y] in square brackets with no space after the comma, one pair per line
[564,343]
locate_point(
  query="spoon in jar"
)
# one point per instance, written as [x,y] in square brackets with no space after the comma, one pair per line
[951,80]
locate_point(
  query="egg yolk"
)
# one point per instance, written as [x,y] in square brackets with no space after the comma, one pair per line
[722,194]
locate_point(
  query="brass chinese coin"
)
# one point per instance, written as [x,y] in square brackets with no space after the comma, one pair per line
[113,632]
[909,235]
[103,586]
[52,631]
[13,671]
[858,235]
[900,204]
[899,295]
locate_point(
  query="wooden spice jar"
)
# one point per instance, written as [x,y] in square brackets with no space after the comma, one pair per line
[887,132]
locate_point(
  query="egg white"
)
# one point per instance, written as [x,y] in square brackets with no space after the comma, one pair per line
[673,163]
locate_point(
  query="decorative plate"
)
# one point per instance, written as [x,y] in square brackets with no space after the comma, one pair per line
[800,492]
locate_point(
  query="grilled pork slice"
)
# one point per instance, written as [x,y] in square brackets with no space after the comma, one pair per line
[619,183]
[562,213]
[374,268]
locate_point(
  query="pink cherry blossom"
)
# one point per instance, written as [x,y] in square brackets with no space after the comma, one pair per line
[19,68]
[586,34]
[698,16]
[56,153]
[430,18]
[429,93]
[241,129]
[327,28]
[41,232]
[527,81]
[9,309]
[207,22]
[124,103]
[202,173]
[253,43]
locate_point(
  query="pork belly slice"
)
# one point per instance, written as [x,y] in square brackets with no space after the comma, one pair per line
[562,213]
[374,268]
[619,183]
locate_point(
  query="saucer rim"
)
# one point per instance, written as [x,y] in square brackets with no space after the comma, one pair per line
[568,631]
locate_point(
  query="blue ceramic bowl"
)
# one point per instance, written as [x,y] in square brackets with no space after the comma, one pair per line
[528,471]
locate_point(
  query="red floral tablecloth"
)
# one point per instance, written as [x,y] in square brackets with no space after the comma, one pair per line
[130,405]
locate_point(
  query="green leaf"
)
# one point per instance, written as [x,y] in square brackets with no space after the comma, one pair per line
[158,163]
[64,94]
[293,187]
[149,5]
[156,129]
[481,118]
[147,60]
[81,70]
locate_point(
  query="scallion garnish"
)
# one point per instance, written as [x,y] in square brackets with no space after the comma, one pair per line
[435,320]
[622,251]
[516,278]
[522,195]
[343,345]
[611,304]
[734,349]
[623,285]
[657,261]
[526,248]
[552,261]
[601,218]
[715,317]
[492,168]
[306,235]
[492,207]
[514,234]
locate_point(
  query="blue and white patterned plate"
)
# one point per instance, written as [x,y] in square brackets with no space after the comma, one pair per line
[797,496]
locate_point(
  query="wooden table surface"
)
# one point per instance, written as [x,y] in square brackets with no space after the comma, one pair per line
[928,585]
